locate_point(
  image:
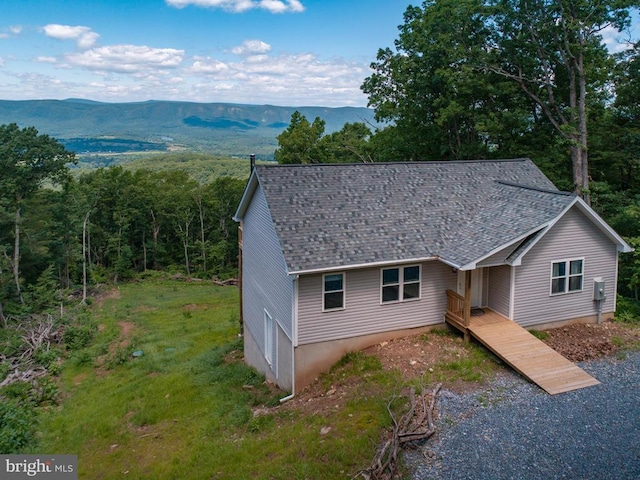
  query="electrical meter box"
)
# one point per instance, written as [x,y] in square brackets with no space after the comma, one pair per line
[598,289]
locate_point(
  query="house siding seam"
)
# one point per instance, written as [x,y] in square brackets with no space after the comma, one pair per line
[574,235]
[266,284]
[364,314]
[499,289]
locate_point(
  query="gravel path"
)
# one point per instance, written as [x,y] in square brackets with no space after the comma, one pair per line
[514,430]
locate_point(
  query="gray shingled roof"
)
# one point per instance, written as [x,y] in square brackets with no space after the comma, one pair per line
[335,215]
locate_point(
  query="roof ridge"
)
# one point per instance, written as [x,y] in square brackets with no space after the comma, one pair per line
[414,162]
[534,188]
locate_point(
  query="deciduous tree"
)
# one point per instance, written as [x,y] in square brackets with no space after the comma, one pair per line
[553,50]
[27,160]
[299,142]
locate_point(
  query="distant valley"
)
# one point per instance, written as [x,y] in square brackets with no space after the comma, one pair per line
[108,130]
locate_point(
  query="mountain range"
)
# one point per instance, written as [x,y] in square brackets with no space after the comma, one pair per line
[89,127]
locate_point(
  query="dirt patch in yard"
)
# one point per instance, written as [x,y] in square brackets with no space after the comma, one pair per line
[587,342]
[103,295]
[413,355]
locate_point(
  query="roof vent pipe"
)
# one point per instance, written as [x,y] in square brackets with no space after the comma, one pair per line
[252,159]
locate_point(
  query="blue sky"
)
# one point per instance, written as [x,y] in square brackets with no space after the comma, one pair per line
[281,52]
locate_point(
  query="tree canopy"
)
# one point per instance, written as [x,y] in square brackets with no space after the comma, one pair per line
[477,79]
[305,142]
[27,161]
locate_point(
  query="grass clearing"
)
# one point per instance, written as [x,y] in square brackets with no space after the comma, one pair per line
[185,407]
[474,366]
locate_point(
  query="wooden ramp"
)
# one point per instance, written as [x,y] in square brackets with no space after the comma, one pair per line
[528,355]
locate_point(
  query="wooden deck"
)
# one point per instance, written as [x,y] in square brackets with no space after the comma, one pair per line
[526,354]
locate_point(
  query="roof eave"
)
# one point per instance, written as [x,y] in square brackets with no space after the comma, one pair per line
[473,264]
[622,245]
[357,266]
[249,190]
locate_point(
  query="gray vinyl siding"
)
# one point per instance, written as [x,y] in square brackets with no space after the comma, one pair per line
[266,284]
[497,258]
[363,314]
[573,236]
[499,289]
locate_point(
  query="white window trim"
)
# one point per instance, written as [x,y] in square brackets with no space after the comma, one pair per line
[344,292]
[567,276]
[268,337]
[400,284]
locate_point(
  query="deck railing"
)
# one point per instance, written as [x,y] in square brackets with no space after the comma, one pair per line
[456,310]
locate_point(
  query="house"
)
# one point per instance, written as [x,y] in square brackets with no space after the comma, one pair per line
[338,257]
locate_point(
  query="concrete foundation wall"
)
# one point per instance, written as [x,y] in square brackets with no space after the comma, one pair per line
[253,357]
[311,360]
[315,358]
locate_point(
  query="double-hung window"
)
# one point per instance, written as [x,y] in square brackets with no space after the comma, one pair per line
[333,291]
[400,284]
[567,276]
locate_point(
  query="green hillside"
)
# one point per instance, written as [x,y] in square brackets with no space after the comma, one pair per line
[121,128]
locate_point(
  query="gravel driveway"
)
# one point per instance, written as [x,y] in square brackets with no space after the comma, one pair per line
[514,430]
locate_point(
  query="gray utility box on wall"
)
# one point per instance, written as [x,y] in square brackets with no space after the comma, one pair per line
[598,289]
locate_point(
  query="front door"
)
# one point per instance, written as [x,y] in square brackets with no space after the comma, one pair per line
[476,286]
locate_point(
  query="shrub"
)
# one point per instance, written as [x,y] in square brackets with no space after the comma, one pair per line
[628,310]
[17,426]
[78,335]
[45,356]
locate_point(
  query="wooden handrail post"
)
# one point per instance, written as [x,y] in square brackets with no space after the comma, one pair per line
[467,304]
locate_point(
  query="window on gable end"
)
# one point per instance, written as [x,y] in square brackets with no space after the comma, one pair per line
[332,291]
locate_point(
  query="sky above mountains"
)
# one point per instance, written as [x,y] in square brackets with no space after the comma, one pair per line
[282,52]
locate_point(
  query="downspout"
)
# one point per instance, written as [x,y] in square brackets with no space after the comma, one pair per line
[294,323]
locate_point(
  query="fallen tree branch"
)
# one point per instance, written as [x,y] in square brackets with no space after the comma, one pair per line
[38,332]
[225,283]
[416,424]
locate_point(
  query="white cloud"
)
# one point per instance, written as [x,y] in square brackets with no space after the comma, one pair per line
[45,59]
[126,58]
[614,40]
[85,38]
[251,47]
[239,6]
[11,31]
[207,66]
[284,79]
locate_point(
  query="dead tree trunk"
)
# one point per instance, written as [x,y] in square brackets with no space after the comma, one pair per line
[15,264]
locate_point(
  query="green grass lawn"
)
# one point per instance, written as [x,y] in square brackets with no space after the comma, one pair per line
[184,408]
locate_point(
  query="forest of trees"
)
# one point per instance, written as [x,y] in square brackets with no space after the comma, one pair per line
[60,233]
[474,79]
